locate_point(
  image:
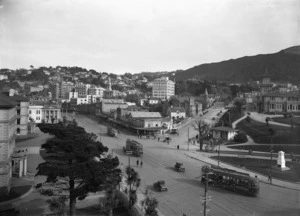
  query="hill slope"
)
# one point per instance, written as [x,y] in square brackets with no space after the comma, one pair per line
[282,66]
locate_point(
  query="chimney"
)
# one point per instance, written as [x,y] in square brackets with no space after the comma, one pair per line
[11,92]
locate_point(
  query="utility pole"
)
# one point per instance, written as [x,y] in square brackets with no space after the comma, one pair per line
[188,138]
[206,198]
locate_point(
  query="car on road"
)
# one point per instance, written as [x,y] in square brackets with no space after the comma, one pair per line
[179,167]
[160,185]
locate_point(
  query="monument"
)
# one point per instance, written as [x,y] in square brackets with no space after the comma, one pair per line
[281,161]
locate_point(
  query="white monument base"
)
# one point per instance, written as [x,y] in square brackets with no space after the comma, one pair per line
[281,168]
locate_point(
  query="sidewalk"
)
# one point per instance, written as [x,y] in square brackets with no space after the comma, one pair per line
[205,157]
[260,117]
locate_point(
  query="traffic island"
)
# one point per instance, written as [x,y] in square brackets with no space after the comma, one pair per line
[263,166]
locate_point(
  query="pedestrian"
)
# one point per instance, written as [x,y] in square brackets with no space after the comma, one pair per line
[157,138]
[177,146]
[137,162]
[141,163]
[270,178]
[168,142]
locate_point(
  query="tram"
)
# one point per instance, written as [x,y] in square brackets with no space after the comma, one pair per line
[230,179]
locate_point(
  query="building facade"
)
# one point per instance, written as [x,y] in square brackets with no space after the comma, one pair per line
[163,88]
[281,102]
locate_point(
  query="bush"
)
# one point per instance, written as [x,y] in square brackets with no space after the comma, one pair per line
[241,137]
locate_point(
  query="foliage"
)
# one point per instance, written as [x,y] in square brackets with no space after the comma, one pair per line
[134,181]
[241,137]
[72,166]
[203,129]
[112,201]
[150,204]
[132,98]
[57,205]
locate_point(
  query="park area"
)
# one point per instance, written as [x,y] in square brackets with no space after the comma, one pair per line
[263,166]
[270,134]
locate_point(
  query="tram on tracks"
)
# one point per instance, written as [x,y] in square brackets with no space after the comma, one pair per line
[230,179]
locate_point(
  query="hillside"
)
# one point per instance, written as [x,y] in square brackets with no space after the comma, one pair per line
[282,66]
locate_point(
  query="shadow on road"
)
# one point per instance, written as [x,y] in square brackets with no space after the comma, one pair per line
[194,182]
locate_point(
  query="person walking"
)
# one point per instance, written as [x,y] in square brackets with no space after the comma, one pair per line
[177,146]
[137,162]
[141,163]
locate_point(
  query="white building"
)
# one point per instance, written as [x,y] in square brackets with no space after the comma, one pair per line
[163,88]
[35,113]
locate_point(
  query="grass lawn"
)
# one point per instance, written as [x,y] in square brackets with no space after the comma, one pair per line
[260,133]
[295,120]
[15,192]
[263,166]
[266,148]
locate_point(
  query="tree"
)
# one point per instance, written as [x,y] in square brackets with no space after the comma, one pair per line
[150,204]
[134,181]
[72,164]
[241,137]
[203,129]
[111,202]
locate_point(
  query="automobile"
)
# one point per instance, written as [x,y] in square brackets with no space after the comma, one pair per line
[179,167]
[160,185]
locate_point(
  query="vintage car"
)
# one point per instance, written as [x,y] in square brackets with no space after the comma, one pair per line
[160,185]
[179,167]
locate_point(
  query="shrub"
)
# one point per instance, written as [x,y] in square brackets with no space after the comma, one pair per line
[241,137]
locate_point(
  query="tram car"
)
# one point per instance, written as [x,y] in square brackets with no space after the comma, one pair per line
[230,179]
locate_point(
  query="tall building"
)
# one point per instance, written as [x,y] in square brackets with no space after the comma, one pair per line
[11,163]
[55,90]
[66,87]
[82,89]
[266,86]
[163,88]
[22,112]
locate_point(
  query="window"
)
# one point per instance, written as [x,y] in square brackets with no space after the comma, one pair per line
[18,131]
[38,112]
[18,121]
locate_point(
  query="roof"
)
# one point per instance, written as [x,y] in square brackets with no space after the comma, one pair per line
[222,128]
[282,94]
[143,114]
[16,97]
[7,102]
[175,109]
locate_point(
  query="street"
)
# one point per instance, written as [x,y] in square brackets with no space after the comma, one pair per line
[185,190]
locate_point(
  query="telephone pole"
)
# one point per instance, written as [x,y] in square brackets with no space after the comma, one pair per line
[206,198]
[188,138]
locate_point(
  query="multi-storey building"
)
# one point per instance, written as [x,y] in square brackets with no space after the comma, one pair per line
[8,125]
[266,86]
[66,88]
[10,162]
[22,112]
[163,88]
[35,113]
[82,89]
[97,91]
[281,102]
[55,89]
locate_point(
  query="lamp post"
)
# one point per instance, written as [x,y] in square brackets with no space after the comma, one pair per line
[219,154]
[271,151]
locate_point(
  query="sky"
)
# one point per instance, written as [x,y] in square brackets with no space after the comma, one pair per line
[119,36]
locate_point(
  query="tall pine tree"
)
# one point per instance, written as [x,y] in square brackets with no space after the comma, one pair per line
[73,164]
